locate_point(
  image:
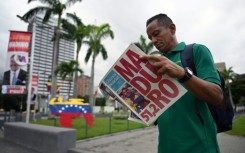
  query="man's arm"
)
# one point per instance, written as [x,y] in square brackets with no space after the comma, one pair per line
[204,90]
[6,78]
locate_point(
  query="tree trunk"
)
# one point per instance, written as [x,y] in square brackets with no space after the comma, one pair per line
[91,97]
[55,62]
[230,96]
[69,89]
[75,81]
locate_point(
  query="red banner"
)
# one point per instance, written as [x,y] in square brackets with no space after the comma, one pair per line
[34,80]
[19,41]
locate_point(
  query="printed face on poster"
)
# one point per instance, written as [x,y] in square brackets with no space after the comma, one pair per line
[14,78]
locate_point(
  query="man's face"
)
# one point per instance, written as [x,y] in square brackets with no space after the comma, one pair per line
[32,90]
[13,65]
[160,35]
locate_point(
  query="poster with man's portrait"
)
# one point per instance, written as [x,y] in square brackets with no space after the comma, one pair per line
[15,74]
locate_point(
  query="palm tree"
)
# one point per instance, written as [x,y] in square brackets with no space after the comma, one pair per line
[51,7]
[229,76]
[75,31]
[66,69]
[144,46]
[238,90]
[95,47]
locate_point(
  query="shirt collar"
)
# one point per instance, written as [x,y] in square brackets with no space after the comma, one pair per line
[179,47]
[16,72]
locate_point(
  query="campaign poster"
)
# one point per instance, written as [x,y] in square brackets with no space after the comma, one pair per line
[15,74]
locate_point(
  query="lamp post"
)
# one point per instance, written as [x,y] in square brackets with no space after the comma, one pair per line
[31,68]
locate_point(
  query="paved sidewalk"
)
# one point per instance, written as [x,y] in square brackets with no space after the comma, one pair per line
[145,141]
[136,141]
[231,144]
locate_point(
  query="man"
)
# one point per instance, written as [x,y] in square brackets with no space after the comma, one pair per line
[181,129]
[33,99]
[14,76]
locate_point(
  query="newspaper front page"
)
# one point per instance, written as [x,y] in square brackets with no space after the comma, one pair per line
[137,85]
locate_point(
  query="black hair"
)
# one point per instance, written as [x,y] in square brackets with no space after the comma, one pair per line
[12,56]
[161,18]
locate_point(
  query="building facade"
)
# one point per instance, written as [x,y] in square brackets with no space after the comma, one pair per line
[83,85]
[43,55]
[221,66]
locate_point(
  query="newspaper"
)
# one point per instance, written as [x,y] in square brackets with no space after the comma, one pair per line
[137,85]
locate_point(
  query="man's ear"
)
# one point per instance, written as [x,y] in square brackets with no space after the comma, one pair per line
[172,28]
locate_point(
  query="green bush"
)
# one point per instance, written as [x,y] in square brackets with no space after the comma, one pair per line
[120,115]
[1,100]
[86,98]
[100,101]
[15,102]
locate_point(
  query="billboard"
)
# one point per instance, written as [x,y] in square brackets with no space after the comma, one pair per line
[14,78]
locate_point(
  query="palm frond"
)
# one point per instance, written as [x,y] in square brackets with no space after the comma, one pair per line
[47,15]
[34,11]
[48,2]
[104,52]
[89,53]
[71,2]
[143,45]
[74,18]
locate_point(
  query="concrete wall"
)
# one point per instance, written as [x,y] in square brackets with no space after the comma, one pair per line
[45,139]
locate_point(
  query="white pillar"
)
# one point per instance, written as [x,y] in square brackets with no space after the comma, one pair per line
[30,73]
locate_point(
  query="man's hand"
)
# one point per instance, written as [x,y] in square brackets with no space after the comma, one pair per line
[165,66]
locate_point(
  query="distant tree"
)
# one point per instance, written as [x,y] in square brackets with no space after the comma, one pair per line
[85,98]
[146,47]
[1,98]
[66,69]
[229,75]
[238,89]
[242,101]
[95,47]
[100,101]
[75,31]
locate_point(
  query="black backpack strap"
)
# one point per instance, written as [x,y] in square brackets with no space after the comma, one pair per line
[187,60]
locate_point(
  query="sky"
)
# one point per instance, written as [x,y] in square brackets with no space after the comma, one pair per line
[217,24]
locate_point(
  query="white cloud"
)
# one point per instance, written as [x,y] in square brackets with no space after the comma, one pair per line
[217,24]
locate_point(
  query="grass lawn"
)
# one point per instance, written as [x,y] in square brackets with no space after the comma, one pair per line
[101,126]
[238,127]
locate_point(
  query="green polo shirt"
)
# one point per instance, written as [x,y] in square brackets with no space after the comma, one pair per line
[180,128]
